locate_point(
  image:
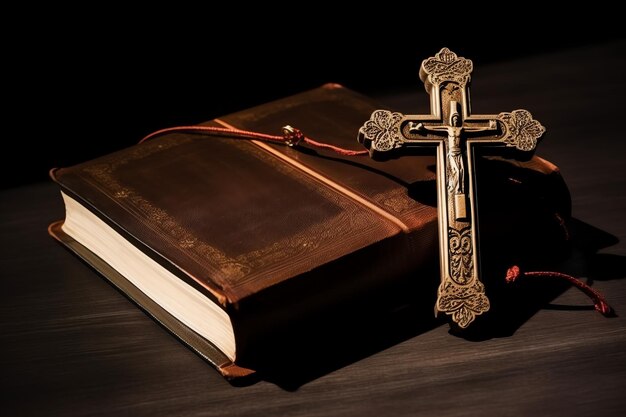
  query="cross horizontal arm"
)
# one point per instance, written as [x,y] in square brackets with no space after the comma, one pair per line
[386,131]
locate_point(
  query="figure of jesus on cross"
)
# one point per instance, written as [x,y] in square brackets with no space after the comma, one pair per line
[455,167]
[453,132]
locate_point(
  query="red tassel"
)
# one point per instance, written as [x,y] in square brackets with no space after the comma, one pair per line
[599,302]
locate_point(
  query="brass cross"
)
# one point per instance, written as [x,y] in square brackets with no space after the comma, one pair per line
[454,132]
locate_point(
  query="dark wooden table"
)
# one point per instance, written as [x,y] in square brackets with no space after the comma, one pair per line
[72,345]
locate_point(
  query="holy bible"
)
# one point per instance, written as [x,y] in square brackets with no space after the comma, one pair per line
[233,245]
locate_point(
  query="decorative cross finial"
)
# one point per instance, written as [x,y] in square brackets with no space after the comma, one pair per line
[453,132]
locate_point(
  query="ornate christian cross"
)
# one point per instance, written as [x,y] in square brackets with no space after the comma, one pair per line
[453,132]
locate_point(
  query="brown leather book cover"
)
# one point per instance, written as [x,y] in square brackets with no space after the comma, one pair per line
[277,235]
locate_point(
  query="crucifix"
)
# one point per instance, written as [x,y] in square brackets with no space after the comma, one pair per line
[454,133]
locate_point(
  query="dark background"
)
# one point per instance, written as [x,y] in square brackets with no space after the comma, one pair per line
[74,88]
[86,86]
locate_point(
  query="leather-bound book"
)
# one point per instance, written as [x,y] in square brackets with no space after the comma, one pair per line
[248,251]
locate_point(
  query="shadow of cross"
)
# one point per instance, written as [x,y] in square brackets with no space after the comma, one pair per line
[453,132]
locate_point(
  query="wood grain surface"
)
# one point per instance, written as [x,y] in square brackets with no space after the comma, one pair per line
[72,345]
